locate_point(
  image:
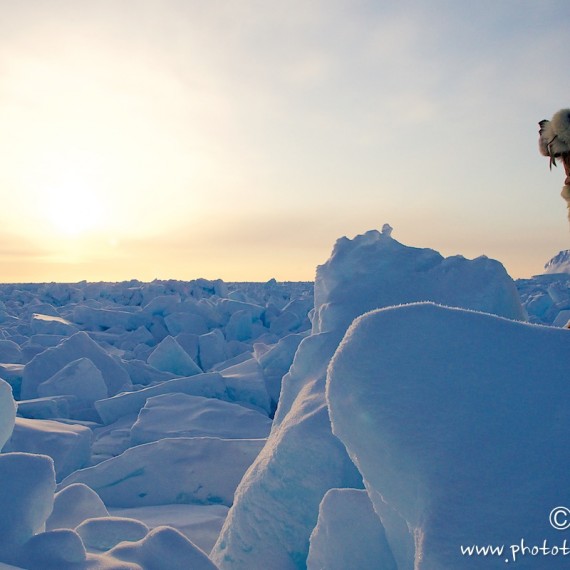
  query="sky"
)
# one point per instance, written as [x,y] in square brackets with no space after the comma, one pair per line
[238,139]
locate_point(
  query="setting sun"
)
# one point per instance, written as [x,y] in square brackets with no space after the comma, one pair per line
[72,207]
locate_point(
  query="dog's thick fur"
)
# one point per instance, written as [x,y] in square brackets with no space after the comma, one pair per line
[554,142]
[554,135]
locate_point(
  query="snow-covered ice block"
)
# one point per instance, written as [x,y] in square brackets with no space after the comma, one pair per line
[39,307]
[46,408]
[242,357]
[181,470]
[111,440]
[209,385]
[12,373]
[285,323]
[200,288]
[300,307]
[30,350]
[186,322]
[7,412]
[199,523]
[74,504]
[103,319]
[349,534]
[562,318]
[402,274]
[181,415]
[162,548]
[227,307]
[209,310]
[60,549]
[45,340]
[448,412]
[212,349]
[189,342]
[68,445]
[245,383]
[102,533]
[538,305]
[57,293]
[46,364]
[276,362]
[169,356]
[26,497]
[143,374]
[162,305]
[276,504]
[10,352]
[559,292]
[47,324]
[239,326]
[157,328]
[80,378]
[129,340]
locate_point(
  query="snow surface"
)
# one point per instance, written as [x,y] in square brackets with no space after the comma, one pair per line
[202,470]
[210,385]
[74,504]
[160,545]
[180,415]
[199,523]
[100,534]
[68,445]
[53,549]
[349,534]
[80,378]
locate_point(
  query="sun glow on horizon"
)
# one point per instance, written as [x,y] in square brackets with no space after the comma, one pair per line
[73,207]
[67,194]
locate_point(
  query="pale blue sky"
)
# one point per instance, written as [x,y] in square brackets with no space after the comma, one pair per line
[239,139]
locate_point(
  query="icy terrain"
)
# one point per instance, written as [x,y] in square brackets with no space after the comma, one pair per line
[130,412]
[546,297]
[175,424]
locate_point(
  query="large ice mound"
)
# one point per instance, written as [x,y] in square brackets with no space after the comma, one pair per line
[454,418]
[560,263]
[374,270]
[277,503]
